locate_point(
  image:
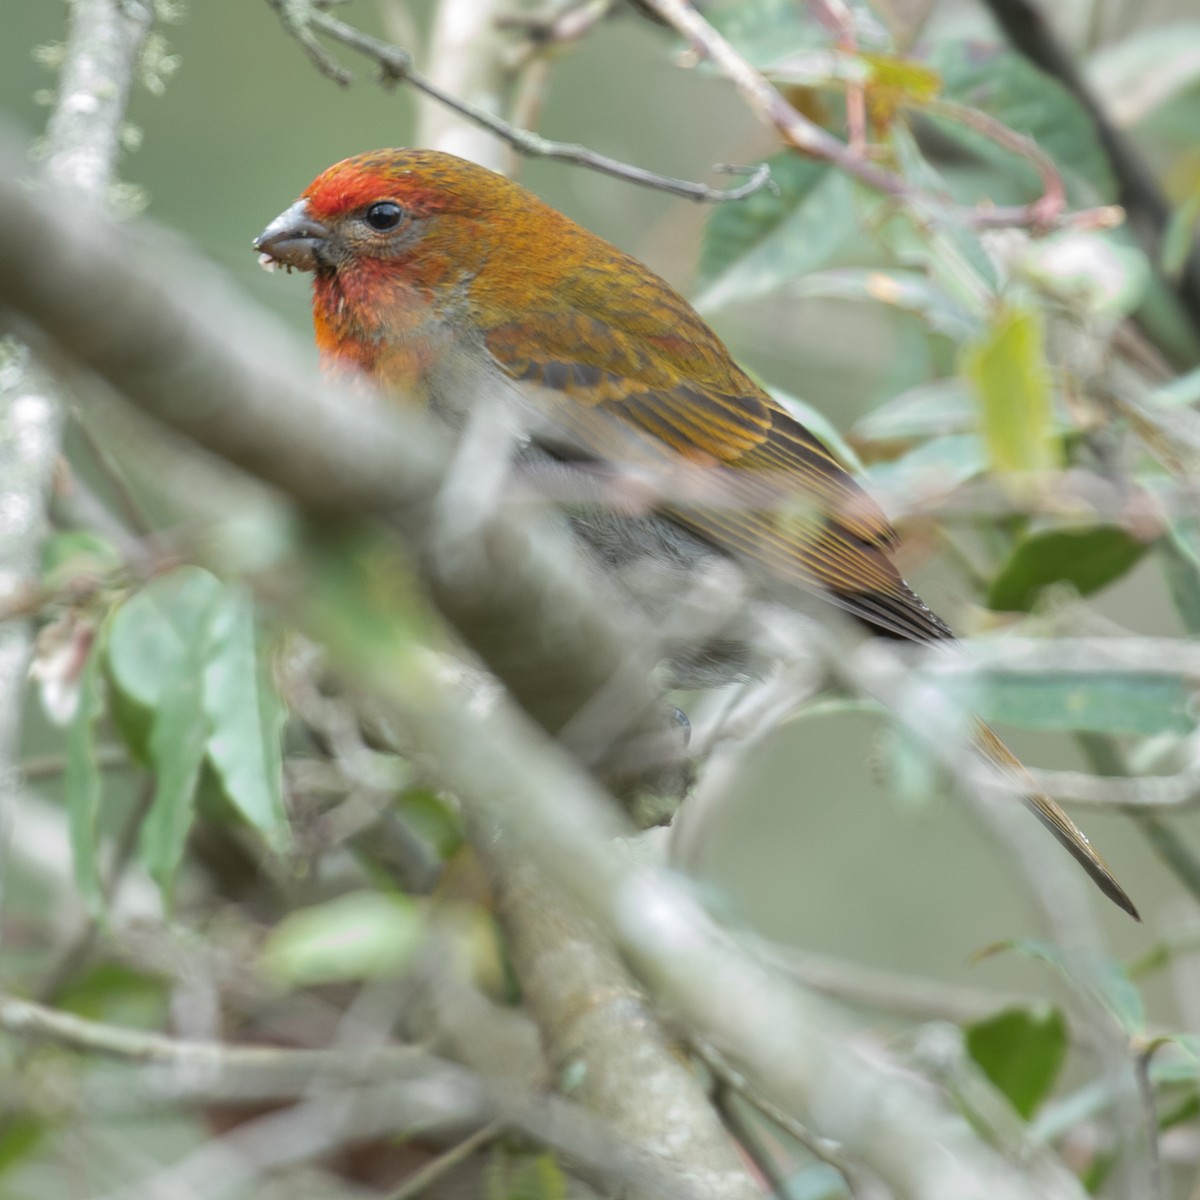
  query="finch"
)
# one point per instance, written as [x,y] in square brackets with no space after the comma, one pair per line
[442,281]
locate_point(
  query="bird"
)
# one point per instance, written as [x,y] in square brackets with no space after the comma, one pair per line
[440,280]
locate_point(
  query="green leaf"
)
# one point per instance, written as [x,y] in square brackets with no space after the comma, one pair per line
[525,1177]
[1116,702]
[1007,86]
[152,629]
[1179,553]
[768,240]
[427,815]
[934,467]
[908,291]
[1102,977]
[71,553]
[178,740]
[1088,559]
[1180,234]
[929,410]
[245,718]
[1021,1050]
[83,782]
[362,935]
[19,1137]
[1008,372]
[765,31]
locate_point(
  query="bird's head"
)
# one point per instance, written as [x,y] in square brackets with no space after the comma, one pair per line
[427,215]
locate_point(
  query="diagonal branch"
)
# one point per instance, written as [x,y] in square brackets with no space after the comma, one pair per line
[301,18]
[197,362]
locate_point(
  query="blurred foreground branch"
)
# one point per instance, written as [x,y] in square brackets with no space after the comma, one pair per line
[80,152]
[184,350]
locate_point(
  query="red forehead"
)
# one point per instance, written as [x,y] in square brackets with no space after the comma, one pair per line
[420,180]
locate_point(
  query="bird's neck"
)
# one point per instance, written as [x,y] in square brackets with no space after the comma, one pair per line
[372,321]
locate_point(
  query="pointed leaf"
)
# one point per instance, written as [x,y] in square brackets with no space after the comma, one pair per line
[1088,559]
[1021,1050]
[1008,371]
[177,744]
[245,718]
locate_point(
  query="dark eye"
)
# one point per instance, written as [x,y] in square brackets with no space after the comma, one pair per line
[383,216]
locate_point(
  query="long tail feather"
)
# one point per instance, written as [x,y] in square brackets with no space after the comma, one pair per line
[1057,821]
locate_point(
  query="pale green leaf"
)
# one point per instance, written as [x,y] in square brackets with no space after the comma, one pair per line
[1008,372]
[362,935]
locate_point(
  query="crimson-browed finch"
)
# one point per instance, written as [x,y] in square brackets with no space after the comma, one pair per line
[444,281]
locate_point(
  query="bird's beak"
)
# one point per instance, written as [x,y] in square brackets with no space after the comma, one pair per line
[293,239]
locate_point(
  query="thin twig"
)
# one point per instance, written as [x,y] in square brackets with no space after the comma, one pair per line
[725,1098]
[396,66]
[769,104]
[1138,190]
[435,1170]
[1150,1109]
[819,1147]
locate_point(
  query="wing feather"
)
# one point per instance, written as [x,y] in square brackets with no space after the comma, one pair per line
[781,500]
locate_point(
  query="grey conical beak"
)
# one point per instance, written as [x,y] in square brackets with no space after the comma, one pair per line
[293,239]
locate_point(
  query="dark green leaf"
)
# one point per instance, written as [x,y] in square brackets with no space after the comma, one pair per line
[1021,1050]
[245,718]
[1087,559]
[83,782]
[19,1136]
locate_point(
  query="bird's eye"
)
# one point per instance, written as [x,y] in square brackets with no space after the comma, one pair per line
[383,216]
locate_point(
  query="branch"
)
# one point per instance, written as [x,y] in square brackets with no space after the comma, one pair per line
[197,361]
[1148,208]
[396,66]
[770,105]
[222,374]
[344,1097]
[608,1050]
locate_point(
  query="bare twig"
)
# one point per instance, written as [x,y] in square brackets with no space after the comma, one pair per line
[1149,210]
[82,140]
[819,1147]
[768,103]
[396,66]
[387,1090]
[433,1172]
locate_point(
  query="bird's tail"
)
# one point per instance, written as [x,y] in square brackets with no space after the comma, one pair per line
[1053,817]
